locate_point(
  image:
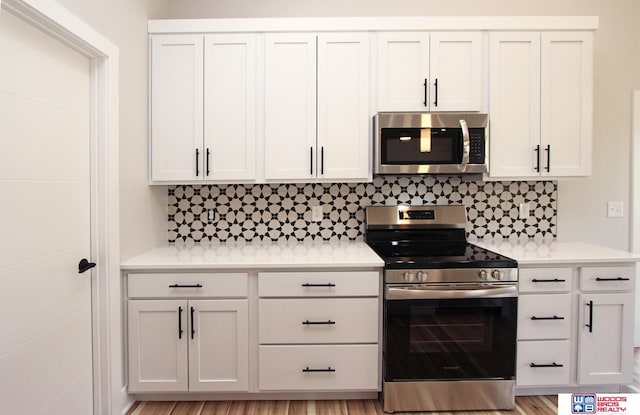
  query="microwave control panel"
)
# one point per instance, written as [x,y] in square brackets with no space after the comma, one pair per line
[476,146]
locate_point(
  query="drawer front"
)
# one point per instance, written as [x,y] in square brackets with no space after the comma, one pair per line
[318,320]
[620,278]
[544,316]
[319,368]
[318,284]
[545,279]
[187,285]
[543,355]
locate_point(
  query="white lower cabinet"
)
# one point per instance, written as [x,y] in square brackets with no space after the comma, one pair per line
[319,331]
[605,336]
[306,331]
[344,367]
[187,344]
[575,326]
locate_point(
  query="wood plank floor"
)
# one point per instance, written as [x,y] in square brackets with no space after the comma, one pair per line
[529,405]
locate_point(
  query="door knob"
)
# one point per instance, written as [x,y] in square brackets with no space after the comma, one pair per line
[85,265]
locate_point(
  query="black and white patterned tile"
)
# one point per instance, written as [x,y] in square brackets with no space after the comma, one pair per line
[283,211]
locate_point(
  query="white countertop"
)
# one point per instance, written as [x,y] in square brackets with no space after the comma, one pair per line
[263,255]
[551,251]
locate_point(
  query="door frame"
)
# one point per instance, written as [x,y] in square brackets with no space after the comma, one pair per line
[109,394]
[635,201]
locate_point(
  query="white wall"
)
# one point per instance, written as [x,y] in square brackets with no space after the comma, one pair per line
[581,202]
[143,209]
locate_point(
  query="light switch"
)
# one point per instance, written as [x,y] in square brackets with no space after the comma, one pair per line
[615,210]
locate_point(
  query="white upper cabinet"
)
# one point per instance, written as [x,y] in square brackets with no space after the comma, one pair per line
[229,107]
[176,122]
[203,107]
[317,107]
[290,106]
[540,111]
[438,71]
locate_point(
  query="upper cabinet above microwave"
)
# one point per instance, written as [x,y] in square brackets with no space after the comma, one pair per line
[438,71]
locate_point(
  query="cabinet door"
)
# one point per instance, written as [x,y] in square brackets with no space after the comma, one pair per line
[567,103]
[403,71]
[290,106]
[605,349]
[514,110]
[343,106]
[176,125]
[157,332]
[457,71]
[229,107]
[218,345]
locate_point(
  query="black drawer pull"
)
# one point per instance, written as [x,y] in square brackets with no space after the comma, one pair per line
[547,318]
[590,325]
[554,364]
[328,322]
[185,286]
[329,284]
[307,370]
[549,280]
[612,279]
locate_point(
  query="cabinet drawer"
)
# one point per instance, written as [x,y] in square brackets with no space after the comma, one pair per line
[544,316]
[342,367]
[318,320]
[618,278]
[543,355]
[544,279]
[318,284]
[187,285]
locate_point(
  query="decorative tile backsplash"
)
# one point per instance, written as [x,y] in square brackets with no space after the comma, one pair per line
[245,212]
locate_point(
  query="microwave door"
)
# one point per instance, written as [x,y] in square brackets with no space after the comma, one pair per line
[421,146]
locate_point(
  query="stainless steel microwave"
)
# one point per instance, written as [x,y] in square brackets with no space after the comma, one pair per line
[430,143]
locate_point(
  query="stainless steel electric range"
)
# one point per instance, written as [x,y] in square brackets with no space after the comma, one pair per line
[450,312]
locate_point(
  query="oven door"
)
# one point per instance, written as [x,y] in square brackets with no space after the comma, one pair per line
[450,333]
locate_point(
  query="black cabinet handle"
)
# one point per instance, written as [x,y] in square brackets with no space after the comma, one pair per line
[554,364]
[307,370]
[549,280]
[185,286]
[85,265]
[311,160]
[322,160]
[193,330]
[547,318]
[590,325]
[329,284]
[207,162]
[435,101]
[328,322]
[197,162]
[612,279]
[548,150]
[537,150]
[426,86]
[180,322]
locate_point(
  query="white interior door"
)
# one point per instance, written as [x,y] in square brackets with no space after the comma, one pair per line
[45,311]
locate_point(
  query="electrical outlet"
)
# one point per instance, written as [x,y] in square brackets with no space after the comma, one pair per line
[316,213]
[523,210]
[615,210]
[211,215]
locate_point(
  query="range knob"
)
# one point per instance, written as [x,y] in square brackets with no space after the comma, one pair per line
[409,277]
[423,276]
[497,274]
[484,274]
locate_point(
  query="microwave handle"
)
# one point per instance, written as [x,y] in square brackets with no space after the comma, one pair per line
[466,144]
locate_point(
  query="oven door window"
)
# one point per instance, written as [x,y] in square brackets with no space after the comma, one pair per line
[450,339]
[421,146]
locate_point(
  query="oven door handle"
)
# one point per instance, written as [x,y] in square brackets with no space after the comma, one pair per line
[409,293]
